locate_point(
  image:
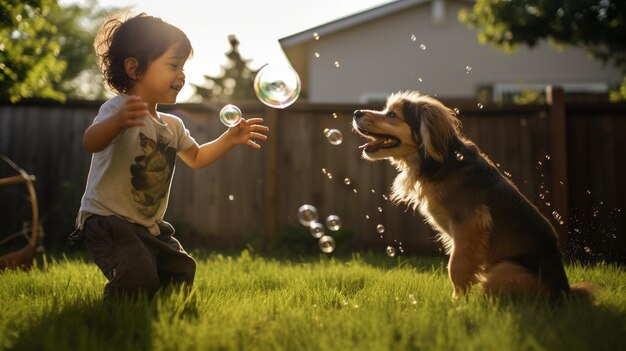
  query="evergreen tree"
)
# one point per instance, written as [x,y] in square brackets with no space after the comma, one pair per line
[235,82]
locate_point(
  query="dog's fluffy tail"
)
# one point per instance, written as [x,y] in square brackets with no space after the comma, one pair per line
[584,291]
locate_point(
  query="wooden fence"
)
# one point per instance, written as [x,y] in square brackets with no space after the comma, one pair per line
[569,159]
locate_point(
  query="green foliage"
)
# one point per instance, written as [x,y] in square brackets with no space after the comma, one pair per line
[29,63]
[247,302]
[597,25]
[620,94]
[46,50]
[530,96]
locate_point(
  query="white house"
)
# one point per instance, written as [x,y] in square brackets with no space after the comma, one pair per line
[421,44]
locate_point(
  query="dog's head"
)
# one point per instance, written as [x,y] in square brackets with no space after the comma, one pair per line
[412,127]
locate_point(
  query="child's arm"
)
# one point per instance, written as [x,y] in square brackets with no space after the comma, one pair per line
[243,133]
[99,135]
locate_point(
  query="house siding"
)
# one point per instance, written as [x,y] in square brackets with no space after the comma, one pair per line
[379,57]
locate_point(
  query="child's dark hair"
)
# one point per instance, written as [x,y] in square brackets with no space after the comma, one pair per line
[143,37]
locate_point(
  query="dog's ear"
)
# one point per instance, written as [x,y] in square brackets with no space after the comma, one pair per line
[435,125]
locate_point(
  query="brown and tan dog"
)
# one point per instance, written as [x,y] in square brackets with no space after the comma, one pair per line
[492,233]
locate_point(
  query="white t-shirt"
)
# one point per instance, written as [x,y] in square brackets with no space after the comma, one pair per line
[131,177]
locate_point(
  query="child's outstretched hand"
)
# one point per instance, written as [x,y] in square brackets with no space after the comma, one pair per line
[247,130]
[131,113]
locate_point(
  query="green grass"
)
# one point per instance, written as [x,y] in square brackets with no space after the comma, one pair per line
[245,302]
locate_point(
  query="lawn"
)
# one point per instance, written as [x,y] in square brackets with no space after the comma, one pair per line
[248,302]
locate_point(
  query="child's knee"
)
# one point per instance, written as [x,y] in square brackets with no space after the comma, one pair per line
[135,280]
[188,272]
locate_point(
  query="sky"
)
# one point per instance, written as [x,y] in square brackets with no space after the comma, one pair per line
[257,24]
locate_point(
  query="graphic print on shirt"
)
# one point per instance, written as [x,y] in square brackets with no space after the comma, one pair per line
[151,174]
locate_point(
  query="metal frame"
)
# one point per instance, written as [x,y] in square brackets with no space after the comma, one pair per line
[24,257]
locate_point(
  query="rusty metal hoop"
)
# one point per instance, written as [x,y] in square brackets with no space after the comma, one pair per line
[22,258]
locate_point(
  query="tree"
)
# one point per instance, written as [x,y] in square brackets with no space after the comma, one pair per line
[28,51]
[597,25]
[236,81]
[46,50]
[76,28]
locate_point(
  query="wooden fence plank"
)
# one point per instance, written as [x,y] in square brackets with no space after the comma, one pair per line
[558,154]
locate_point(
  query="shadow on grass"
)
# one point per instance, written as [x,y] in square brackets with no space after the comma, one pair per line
[121,324]
[568,325]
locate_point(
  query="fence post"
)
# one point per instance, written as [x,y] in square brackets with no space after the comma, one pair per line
[555,97]
[270,199]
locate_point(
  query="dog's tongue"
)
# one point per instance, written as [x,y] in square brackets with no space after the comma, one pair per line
[372,143]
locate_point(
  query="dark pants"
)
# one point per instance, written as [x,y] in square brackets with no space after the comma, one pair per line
[133,260]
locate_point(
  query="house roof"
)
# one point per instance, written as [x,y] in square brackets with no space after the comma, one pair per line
[351,21]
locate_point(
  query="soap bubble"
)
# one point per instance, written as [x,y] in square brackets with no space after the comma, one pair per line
[230,115]
[317,229]
[327,244]
[307,214]
[277,86]
[390,251]
[333,223]
[380,228]
[334,136]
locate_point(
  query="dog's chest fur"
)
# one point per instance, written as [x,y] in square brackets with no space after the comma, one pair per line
[432,199]
[436,214]
[452,214]
[438,217]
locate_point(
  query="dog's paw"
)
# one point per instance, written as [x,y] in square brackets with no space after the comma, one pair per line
[460,292]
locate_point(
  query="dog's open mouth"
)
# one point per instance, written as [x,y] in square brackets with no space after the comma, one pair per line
[379,141]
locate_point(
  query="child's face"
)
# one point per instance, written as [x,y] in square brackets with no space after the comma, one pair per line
[162,80]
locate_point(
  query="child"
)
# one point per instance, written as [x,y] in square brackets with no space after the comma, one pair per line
[134,150]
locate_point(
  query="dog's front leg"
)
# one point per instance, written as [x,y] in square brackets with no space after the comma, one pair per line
[462,272]
[467,257]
